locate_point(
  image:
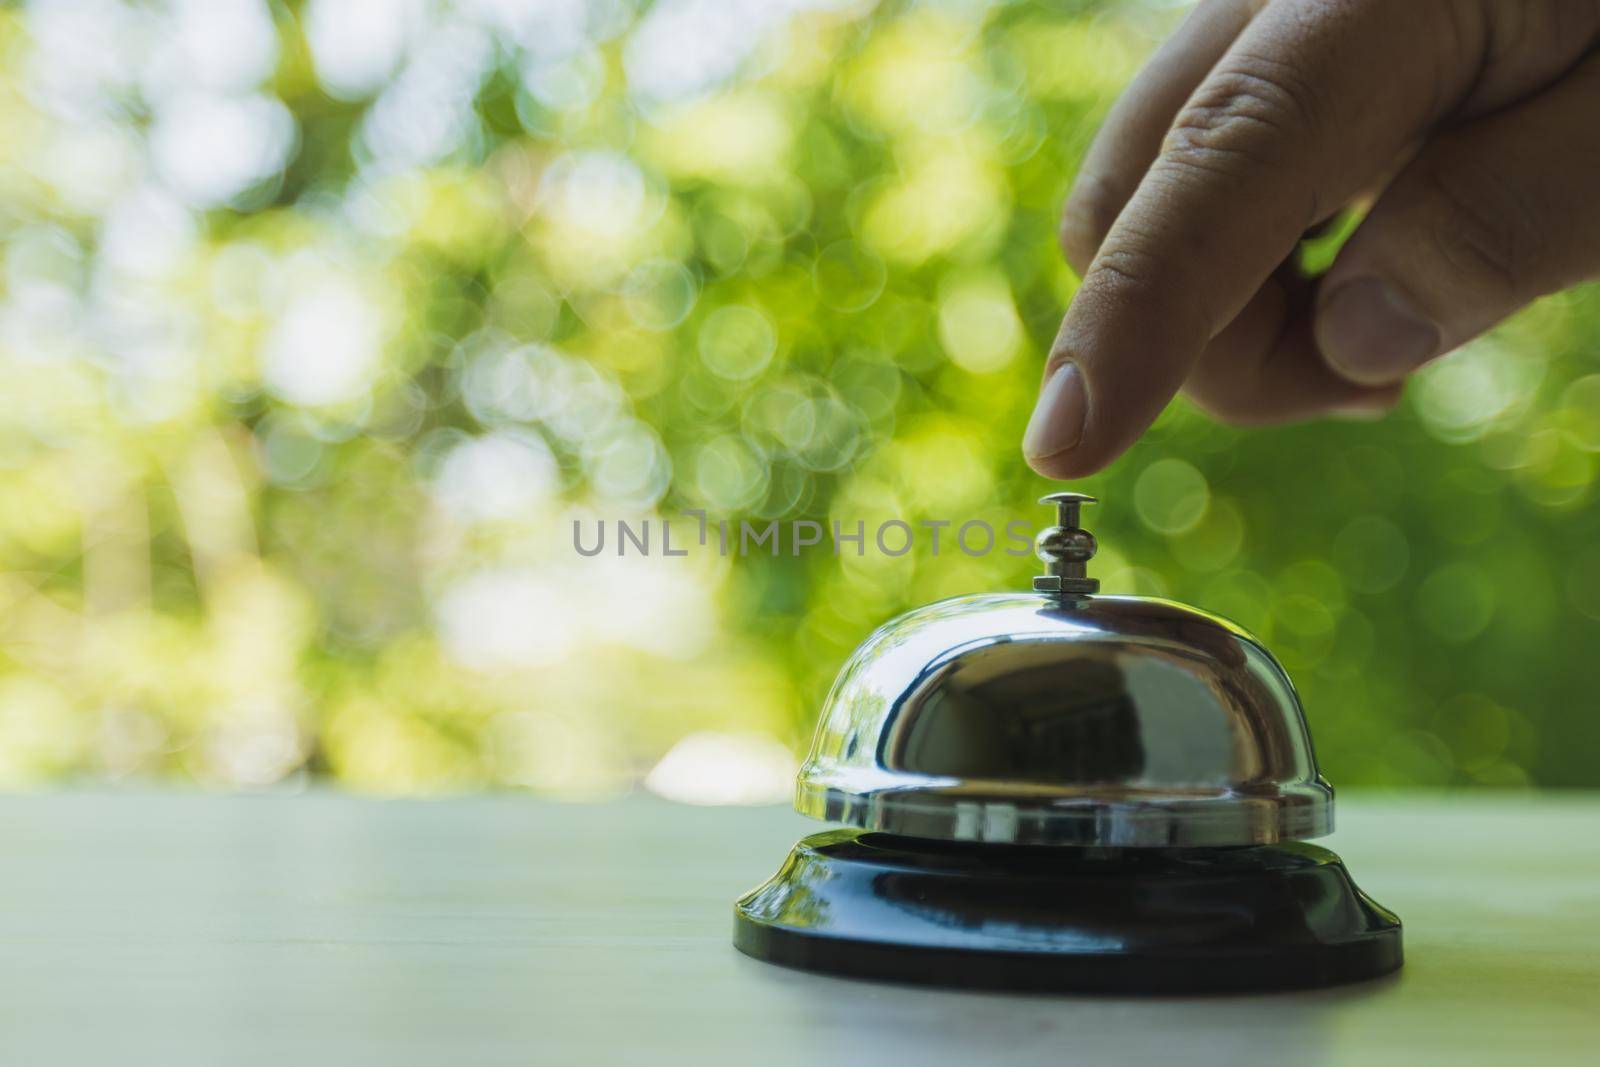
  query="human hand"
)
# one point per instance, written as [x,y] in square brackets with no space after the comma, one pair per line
[1473,127]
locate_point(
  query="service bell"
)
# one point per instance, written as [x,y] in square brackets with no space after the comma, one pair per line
[1062,789]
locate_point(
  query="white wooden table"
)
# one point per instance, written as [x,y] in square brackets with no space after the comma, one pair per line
[304,929]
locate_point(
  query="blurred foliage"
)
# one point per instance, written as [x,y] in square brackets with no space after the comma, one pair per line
[322,323]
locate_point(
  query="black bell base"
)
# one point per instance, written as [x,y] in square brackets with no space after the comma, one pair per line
[1261,918]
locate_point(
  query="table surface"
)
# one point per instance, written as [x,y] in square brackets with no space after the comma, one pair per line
[315,928]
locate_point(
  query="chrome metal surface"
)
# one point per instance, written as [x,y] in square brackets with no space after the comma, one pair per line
[1066,548]
[1064,719]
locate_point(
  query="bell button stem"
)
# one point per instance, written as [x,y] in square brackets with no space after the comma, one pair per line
[1066,548]
[1067,512]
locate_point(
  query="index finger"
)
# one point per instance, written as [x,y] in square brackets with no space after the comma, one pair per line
[1131,135]
[1312,99]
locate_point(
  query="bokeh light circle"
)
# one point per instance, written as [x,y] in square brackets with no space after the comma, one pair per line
[1371,553]
[660,293]
[1171,496]
[1456,602]
[728,474]
[737,342]
[848,277]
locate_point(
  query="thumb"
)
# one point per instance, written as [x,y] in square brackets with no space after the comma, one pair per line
[1487,218]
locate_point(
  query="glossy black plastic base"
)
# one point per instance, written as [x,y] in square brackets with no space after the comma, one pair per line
[870,905]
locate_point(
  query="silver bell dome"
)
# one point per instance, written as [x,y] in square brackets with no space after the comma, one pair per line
[1062,717]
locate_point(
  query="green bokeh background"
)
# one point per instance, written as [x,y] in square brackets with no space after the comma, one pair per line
[296,420]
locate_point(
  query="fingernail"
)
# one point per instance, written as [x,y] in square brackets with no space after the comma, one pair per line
[1371,334]
[1057,421]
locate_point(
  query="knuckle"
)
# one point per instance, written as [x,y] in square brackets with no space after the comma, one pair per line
[1130,271]
[1483,227]
[1248,114]
[1124,268]
[1552,28]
